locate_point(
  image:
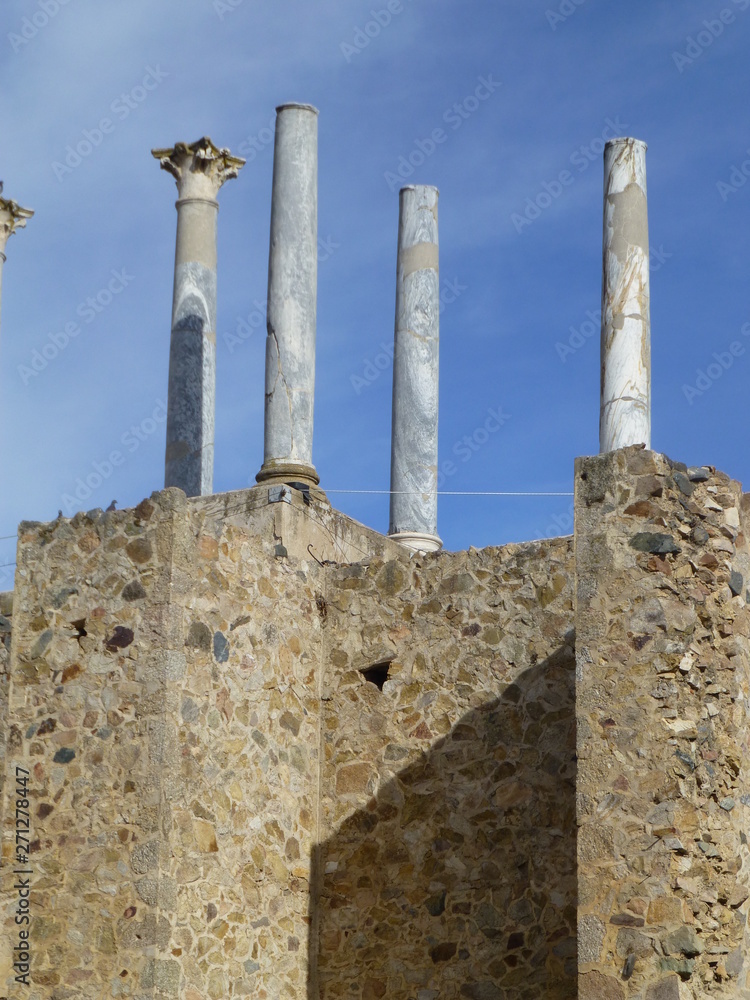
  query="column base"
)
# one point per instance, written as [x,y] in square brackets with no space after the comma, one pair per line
[417,541]
[290,473]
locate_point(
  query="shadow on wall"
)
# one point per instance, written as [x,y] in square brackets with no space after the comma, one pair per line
[458,880]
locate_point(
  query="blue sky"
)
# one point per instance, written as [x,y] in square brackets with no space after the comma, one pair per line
[520,251]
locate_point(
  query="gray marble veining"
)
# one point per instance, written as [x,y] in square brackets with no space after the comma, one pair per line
[625,415]
[414,430]
[292,299]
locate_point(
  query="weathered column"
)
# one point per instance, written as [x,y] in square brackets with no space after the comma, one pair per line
[292,299]
[199,169]
[414,429]
[625,416]
[12,217]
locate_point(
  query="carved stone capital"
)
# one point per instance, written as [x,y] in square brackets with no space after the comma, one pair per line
[199,168]
[12,217]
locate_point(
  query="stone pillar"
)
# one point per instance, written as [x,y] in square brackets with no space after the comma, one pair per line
[662,681]
[625,416]
[12,217]
[292,299]
[199,169]
[414,429]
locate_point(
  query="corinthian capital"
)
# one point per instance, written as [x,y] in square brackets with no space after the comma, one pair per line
[199,168]
[12,217]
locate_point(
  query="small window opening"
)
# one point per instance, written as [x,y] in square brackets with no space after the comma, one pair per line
[377,674]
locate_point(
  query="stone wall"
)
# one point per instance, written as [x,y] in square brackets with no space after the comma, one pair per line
[213,775]
[87,719]
[274,756]
[249,586]
[163,695]
[447,862]
[663,667]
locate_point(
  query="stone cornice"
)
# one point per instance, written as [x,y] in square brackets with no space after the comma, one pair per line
[199,168]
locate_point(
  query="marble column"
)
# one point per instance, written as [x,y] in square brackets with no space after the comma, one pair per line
[292,300]
[414,430]
[12,217]
[199,169]
[625,414]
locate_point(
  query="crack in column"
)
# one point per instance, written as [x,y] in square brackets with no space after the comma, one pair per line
[280,375]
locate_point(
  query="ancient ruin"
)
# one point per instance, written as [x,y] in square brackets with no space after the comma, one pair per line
[253,748]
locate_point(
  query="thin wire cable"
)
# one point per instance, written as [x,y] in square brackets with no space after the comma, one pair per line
[457,493]
[245,507]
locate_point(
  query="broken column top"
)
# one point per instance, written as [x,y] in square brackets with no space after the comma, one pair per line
[635,166]
[626,138]
[199,168]
[295,104]
[12,217]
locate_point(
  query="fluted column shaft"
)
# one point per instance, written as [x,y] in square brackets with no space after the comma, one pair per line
[625,414]
[414,429]
[199,170]
[292,299]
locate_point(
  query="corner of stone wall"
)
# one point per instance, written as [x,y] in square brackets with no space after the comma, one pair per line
[6,626]
[662,685]
[87,699]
